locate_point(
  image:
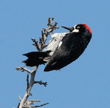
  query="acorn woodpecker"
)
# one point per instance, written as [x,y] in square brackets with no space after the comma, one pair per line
[63,49]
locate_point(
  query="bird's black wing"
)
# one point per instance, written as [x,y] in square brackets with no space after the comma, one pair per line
[63,53]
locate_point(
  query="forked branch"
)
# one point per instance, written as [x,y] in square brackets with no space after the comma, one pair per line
[39,46]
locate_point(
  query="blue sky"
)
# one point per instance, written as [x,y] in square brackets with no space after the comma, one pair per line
[84,83]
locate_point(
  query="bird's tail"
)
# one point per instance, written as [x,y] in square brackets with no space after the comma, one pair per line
[35,58]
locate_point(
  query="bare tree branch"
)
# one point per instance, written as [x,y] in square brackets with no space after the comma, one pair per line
[24,69]
[45,32]
[35,44]
[40,105]
[27,94]
[27,81]
[20,98]
[40,82]
[30,102]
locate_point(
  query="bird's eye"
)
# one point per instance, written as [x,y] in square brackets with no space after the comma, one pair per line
[78,27]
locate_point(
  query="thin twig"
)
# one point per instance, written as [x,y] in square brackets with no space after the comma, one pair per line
[40,82]
[27,81]
[40,105]
[20,98]
[24,69]
[35,44]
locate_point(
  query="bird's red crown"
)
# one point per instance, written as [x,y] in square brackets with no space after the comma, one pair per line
[87,28]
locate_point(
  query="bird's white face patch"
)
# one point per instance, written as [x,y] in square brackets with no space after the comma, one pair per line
[59,44]
[75,30]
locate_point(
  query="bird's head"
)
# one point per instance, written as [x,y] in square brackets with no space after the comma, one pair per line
[80,29]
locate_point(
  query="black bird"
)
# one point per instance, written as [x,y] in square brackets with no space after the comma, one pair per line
[68,49]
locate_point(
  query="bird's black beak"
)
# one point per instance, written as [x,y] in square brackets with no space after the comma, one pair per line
[68,28]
